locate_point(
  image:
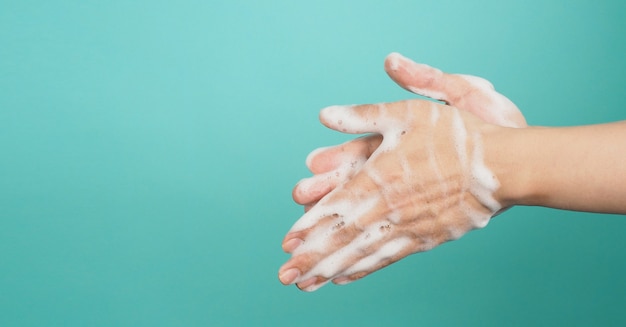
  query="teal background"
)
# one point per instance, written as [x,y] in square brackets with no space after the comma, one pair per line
[148,150]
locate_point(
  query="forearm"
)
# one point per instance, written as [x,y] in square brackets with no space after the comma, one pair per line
[573,168]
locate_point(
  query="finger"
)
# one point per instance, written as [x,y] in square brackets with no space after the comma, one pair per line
[417,78]
[310,190]
[317,219]
[333,166]
[454,89]
[309,206]
[301,268]
[292,240]
[330,241]
[388,249]
[387,253]
[367,118]
[312,284]
[323,160]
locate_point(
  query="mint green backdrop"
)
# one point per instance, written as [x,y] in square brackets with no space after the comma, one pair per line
[148,150]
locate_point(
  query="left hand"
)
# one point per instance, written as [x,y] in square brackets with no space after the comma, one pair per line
[425,184]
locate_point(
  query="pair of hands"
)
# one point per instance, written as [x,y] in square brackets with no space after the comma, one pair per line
[418,180]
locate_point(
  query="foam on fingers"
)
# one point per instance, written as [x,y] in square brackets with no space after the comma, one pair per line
[361,119]
[317,160]
[471,93]
[415,77]
[312,189]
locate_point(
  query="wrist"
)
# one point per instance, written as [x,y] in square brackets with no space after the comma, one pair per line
[508,155]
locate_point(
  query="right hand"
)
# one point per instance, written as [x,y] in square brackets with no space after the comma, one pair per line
[333,166]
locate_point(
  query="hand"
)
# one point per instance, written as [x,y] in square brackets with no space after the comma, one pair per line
[333,166]
[425,184]
[336,165]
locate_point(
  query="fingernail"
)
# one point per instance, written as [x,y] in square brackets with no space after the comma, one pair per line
[315,287]
[289,276]
[291,245]
[342,280]
[305,284]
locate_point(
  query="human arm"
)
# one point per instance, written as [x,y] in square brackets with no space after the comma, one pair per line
[579,168]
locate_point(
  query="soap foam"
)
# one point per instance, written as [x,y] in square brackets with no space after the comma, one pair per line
[387,193]
[344,119]
[484,182]
[504,111]
[386,252]
[331,266]
[460,137]
[346,211]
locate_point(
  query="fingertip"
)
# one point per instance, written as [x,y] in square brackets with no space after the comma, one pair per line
[297,194]
[312,189]
[352,119]
[336,117]
[288,276]
[343,280]
[392,61]
[312,284]
[310,159]
[305,284]
[331,111]
[290,245]
[415,77]
[325,159]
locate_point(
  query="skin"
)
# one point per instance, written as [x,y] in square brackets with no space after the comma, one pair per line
[336,165]
[332,166]
[430,173]
[581,168]
[424,185]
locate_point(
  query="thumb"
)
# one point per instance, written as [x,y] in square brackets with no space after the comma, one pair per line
[470,93]
[417,78]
